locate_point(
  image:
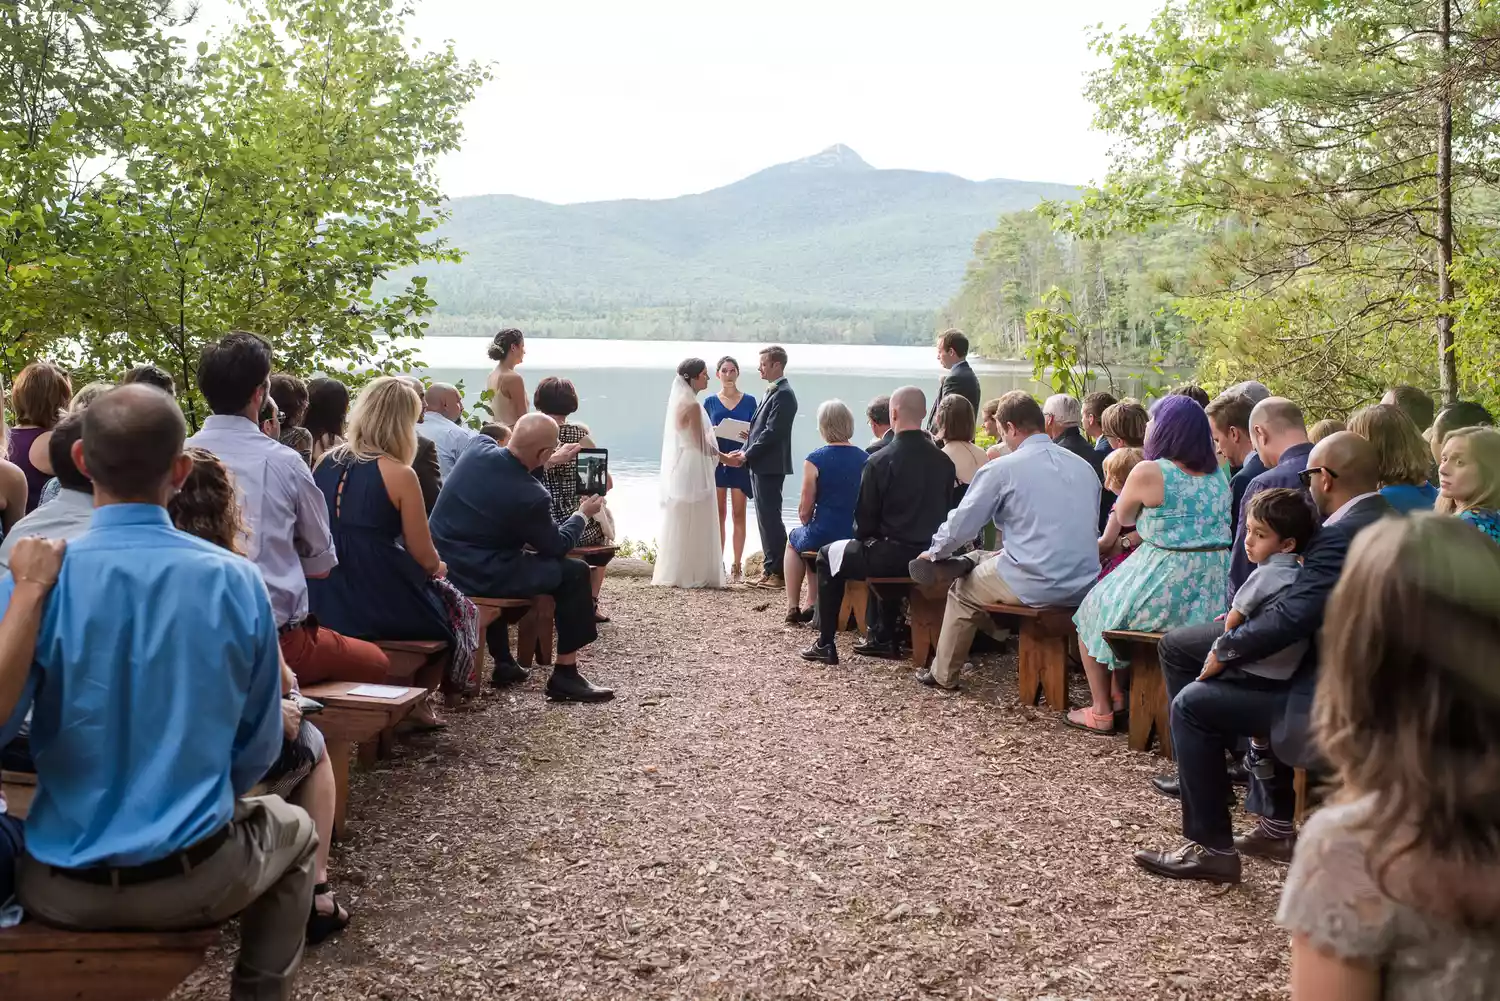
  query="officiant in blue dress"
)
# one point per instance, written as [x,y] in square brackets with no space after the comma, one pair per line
[733,482]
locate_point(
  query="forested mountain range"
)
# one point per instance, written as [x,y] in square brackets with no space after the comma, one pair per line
[826,248]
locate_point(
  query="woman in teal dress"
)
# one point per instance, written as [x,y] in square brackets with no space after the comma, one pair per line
[1179,501]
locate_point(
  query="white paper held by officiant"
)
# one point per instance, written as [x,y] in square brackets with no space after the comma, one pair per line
[731,429]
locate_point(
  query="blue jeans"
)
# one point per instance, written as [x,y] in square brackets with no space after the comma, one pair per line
[1208,719]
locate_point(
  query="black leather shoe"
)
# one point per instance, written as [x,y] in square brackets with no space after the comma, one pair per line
[821,654]
[1167,786]
[884,649]
[793,617]
[567,685]
[1238,774]
[924,677]
[1257,844]
[508,672]
[939,571]
[1191,861]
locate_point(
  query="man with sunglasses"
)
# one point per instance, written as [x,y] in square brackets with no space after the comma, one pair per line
[1215,702]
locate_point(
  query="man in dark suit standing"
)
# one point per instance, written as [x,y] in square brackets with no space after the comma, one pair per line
[1216,699]
[953,348]
[490,510]
[768,454]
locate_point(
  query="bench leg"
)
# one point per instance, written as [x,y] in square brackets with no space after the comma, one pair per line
[487,617]
[856,600]
[546,610]
[1043,664]
[526,631]
[338,757]
[1299,784]
[1148,701]
[926,624]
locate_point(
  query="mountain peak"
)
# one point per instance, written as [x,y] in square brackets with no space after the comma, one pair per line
[835,157]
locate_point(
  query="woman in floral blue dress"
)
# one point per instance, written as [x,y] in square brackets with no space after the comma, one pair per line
[1469,478]
[1179,501]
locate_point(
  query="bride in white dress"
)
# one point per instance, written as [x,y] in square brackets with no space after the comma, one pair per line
[689,551]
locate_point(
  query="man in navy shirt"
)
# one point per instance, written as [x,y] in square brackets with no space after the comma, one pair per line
[155,687]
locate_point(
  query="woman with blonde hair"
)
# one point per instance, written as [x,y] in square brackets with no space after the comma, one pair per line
[1403,457]
[382,588]
[1394,892]
[1469,478]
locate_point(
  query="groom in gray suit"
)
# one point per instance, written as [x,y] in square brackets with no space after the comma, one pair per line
[768,454]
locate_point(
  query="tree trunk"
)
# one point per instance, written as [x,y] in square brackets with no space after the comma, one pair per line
[1447,359]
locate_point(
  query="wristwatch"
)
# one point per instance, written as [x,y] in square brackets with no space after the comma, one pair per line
[1125,543]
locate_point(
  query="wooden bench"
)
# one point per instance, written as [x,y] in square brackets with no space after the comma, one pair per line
[856,598]
[19,789]
[408,657]
[347,720]
[1150,709]
[533,632]
[595,556]
[1046,633]
[925,603]
[39,963]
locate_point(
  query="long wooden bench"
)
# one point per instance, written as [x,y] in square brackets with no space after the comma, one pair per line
[39,963]
[533,619]
[856,598]
[1045,635]
[1150,709]
[347,720]
[925,603]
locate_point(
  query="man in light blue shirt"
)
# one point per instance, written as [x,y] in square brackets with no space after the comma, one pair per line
[443,407]
[155,684]
[1044,500]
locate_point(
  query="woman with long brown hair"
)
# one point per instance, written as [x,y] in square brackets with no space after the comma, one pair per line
[1394,894]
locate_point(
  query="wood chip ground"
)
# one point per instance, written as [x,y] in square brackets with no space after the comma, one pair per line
[740,824]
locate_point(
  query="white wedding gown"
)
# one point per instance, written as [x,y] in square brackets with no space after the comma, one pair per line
[689,552]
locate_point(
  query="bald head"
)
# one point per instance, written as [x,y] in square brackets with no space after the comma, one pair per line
[132,445]
[908,408]
[444,399]
[1276,425]
[1345,465]
[533,439]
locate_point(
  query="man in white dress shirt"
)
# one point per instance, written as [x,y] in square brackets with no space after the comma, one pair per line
[440,424]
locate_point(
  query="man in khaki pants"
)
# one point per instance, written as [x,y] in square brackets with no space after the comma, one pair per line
[152,669]
[1044,500]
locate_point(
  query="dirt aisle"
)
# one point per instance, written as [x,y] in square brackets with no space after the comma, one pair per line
[739,824]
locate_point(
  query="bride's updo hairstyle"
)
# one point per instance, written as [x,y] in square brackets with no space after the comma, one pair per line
[691,369]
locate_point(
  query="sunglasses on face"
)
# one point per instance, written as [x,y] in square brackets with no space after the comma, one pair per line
[1306,476]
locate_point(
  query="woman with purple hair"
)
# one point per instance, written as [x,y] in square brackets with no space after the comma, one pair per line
[1179,501]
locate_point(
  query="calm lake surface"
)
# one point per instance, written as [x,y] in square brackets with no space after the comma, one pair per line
[623,386]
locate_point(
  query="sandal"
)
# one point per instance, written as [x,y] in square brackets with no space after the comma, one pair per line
[319,925]
[1087,719]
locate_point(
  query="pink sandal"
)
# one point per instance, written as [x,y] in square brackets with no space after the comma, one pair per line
[1087,719]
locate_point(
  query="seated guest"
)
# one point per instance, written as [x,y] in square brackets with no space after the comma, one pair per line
[382,587]
[1411,401]
[80,402]
[1178,500]
[1094,406]
[443,407]
[1323,428]
[1469,478]
[72,511]
[290,395]
[492,508]
[904,494]
[830,488]
[285,515]
[558,399]
[1044,500]
[1463,414]
[38,399]
[151,375]
[498,433]
[1217,701]
[1229,420]
[270,419]
[1125,423]
[955,436]
[992,429]
[1395,889]
[1195,393]
[141,611]
[1063,414]
[1118,540]
[1251,390]
[327,412]
[206,507]
[1402,455]
[878,414]
[425,463]
[1280,437]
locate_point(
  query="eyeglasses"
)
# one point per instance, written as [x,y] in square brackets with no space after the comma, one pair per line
[1306,476]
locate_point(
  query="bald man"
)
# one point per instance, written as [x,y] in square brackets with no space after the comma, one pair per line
[1215,702]
[493,527]
[1279,433]
[443,408]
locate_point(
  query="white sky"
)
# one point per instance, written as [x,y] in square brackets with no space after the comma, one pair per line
[597,99]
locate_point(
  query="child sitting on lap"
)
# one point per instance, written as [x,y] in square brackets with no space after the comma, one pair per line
[1114,544]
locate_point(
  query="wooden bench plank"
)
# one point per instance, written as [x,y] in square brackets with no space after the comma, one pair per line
[1046,633]
[1150,709]
[40,963]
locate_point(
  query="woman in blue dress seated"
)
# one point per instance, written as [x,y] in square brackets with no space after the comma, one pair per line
[830,488]
[733,481]
[382,588]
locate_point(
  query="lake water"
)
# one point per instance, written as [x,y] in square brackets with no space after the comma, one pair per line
[623,386]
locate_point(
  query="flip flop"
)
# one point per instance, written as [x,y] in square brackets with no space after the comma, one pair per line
[1086,719]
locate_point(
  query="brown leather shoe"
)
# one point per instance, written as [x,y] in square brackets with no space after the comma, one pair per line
[772,582]
[1191,861]
[1258,844]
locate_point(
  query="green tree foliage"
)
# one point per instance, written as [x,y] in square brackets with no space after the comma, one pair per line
[1342,150]
[267,185]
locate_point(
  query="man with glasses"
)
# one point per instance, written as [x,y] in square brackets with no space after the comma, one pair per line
[1215,702]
